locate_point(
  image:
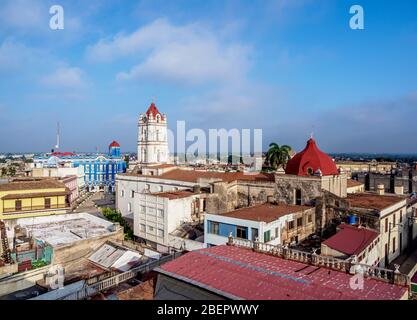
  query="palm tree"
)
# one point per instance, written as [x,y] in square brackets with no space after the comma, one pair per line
[278,156]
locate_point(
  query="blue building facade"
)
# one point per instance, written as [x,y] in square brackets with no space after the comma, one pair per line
[99,169]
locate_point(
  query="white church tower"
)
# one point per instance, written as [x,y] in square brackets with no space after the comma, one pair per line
[153,137]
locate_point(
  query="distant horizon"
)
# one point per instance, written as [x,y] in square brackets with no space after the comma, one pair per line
[288,67]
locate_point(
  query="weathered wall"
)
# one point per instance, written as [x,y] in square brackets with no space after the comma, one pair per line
[82,248]
[285,186]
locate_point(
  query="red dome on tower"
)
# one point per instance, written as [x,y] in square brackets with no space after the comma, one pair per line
[310,160]
[154,111]
[114,144]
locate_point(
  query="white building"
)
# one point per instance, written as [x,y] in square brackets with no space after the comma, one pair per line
[152,137]
[391,213]
[157,215]
[267,223]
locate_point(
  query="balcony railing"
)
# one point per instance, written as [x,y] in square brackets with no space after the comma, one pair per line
[26,209]
[348,266]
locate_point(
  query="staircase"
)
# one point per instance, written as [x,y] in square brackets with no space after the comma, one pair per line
[5,244]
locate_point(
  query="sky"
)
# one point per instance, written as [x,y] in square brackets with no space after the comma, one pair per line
[289,67]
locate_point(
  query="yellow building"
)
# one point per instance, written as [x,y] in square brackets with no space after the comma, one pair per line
[22,199]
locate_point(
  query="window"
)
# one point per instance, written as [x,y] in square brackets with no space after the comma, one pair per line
[18,205]
[213,227]
[122,193]
[47,203]
[267,236]
[242,232]
[161,188]
[132,194]
[142,228]
[298,197]
[129,207]
[276,232]
[148,186]
[299,222]
[160,233]
[393,219]
[393,245]
[142,209]
[310,171]
[310,218]
[255,234]
[160,213]
[150,228]
[386,224]
[290,225]
[401,216]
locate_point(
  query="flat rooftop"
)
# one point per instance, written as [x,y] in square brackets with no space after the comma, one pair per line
[66,229]
[264,212]
[368,200]
[239,273]
[171,195]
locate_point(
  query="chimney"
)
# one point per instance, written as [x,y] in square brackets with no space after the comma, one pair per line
[380,189]
[399,190]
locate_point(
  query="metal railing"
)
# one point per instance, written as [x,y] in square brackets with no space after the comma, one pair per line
[349,265]
[95,288]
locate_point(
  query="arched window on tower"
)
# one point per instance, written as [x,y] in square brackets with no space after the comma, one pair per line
[158,118]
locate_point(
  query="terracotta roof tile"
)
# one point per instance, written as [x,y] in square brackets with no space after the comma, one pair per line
[265,212]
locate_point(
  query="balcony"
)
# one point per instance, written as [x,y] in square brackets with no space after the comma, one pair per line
[28,209]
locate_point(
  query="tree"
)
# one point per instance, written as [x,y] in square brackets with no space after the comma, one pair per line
[3,172]
[12,171]
[278,156]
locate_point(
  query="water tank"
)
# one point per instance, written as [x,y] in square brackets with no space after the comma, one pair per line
[352,219]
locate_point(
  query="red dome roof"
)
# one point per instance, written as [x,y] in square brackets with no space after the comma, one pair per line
[63,154]
[154,111]
[114,144]
[311,159]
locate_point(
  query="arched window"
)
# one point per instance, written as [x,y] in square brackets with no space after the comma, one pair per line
[158,118]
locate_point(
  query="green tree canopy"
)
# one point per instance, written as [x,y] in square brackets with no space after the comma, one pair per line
[278,156]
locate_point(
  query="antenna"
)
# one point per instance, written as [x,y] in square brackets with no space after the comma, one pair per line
[57,136]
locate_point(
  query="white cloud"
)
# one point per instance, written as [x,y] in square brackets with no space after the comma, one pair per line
[66,78]
[189,54]
[14,55]
[24,14]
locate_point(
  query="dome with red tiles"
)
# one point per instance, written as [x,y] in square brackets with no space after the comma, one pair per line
[154,111]
[311,161]
[114,144]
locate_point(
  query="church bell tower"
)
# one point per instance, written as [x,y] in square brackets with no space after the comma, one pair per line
[152,137]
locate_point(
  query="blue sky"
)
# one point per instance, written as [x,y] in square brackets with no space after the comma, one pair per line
[286,66]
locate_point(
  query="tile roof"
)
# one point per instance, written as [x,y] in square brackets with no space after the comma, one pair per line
[351,240]
[174,194]
[265,212]
[368,200]
[32,185]
[194,175]
[240,273]
[353,183]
